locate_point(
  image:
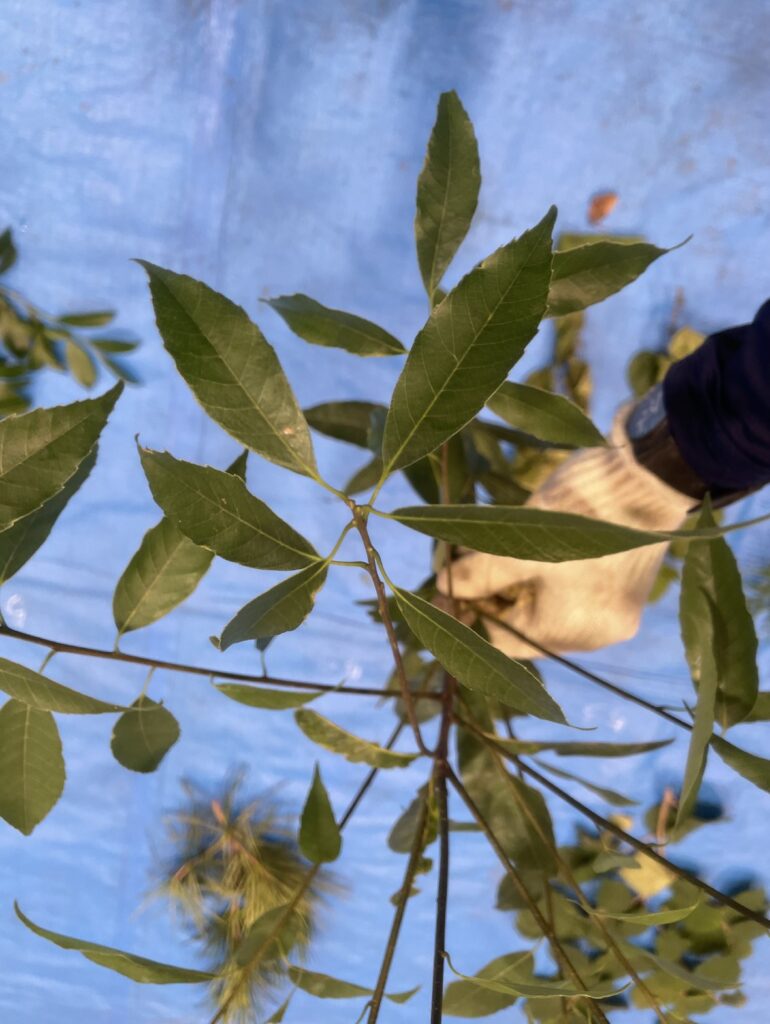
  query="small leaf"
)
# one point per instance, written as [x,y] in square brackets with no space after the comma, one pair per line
[143,735]
[537,990]
[97,318]
[320,730]
[710,575]
[468,346]
[280,1013]
[42,449]
[31,765]
[216,511]
[137,968]
[165,570]
[319,836]
[544,415]
[113,345]
[81,365]
[344,421]
[8,253]
[402,836]
[447,190]
[282,608]
[44,694]
[365,478]
[579,748]
[752,767]
[465,999]
[232,370]
[653,918]
[691,978]
[475,663]
[591,273]
[332,327]
[20,542]
[610,795]
[325,987]
[268,700]
[539,535]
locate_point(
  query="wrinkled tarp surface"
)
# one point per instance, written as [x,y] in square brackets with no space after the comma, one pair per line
[272,147]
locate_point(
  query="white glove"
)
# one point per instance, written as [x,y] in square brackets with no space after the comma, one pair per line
[582,605]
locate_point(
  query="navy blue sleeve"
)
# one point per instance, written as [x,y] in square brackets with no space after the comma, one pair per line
[718,406]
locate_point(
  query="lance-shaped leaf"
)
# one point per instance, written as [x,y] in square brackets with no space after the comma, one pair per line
[539,534]
[652,918]
[216,511]
[94,318]
[42,449]
[44,694]
[591,273]
[752,767]
[710,575]
[323,986]
[280,1013]
[319,836]
[80,364]
[137,968]
[334,328]
[8,252]
[643,957]
[544,415]
[537,989]
[20,542]
[447,190]
[579,748]
[465,999]
[610,795]
[345,421]
[708,637]
[230,367]
[268,700]
[402,836]
[165,570]
[143,735]
[282,608]
[468,346]
[31,765]
[475,663]
[326,734]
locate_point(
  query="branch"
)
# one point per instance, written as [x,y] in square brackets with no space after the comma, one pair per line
[560,954]
[305,884]
[382,605]
[174,666]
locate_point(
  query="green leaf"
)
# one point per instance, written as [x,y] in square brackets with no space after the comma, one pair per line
[761,710]
[579,748]
[544,415]
[165,570]
[365,478]
[320,730]
[282,608]
[468,346]
[325,987]
[42,449]
[535,989]
[143,735]
[31,765]
[591,273]
[81,365]
[280,1013]
[216,511]
[344,421]
[475,663]
[402,835]
[96,318]
[466,999]
[113,345]
[8,253]
[447,190]
[44,694]
[752,767]
[537,534]
[675,970]
[20,542]
[653,918]
[333,328]
[230,367]
[319,836]
[271,937]
[137,968]
[268,700]
[710,575]
[705,710]
[610,795]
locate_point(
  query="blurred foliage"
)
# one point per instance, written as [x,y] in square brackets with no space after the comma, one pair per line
[32,340]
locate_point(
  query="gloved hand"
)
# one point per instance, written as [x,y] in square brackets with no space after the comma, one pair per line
[582,605]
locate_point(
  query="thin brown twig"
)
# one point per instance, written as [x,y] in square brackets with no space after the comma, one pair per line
[210,673]
[306,882]
[560,954]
